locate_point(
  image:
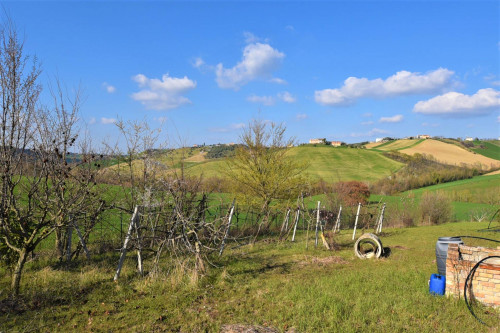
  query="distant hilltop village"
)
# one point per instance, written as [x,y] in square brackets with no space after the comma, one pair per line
[324,141]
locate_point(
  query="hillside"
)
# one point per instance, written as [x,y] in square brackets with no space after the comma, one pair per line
[450,154]
[394,145]
[327,163]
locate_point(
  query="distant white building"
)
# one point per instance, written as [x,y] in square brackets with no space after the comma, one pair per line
[317,141]
[379,139]
[424,136]
[336,143]
[469,139]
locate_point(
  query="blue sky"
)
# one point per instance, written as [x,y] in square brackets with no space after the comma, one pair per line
[349,71]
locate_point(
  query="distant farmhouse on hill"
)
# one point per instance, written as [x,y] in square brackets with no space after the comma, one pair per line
[317,141]
[424,136]
[336,143]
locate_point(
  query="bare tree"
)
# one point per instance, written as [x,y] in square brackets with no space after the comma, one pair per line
[41,188]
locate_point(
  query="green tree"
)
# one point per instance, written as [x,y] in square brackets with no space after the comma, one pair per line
[262,171]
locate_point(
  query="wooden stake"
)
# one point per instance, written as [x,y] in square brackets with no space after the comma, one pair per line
[379,225]
[223,244]
[356,222]
[297,216]
[139,246]
[125,243]
[336,226]
[317,224]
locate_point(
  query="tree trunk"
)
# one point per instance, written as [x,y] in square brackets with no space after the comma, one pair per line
[16,277]
[60,243]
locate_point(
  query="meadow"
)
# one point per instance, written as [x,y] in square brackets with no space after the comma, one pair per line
[283,285]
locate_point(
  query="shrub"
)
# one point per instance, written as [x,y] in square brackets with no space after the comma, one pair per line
[353,192]
[435,208]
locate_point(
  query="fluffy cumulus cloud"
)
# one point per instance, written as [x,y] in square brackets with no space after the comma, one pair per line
[458,104]
[401,83]
[259,61]
[394,119]
[164,94]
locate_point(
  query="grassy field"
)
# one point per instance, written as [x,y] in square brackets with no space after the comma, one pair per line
[279,285]
[327,163]
[397,145]
[491,148]
[468,195]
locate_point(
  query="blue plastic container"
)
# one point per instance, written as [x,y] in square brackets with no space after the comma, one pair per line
[437,284]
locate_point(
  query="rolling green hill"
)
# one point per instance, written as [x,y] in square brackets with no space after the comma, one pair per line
[327,163]
[489,149]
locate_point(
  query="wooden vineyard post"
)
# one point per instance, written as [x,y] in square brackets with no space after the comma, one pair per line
[379,224]
[356,222]
[223,244]
[317,224]
[139,247]
[297,217]
[125,243]
[284,226]
[336,226]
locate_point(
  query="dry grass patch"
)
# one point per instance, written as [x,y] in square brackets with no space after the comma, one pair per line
[200,157]
[451,154]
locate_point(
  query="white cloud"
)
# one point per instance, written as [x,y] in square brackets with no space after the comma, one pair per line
[107,121]
[373,132]
[301,116]
[198,62]
[230,128]
[495,83]
[401,83]
[92,121]
[454,103]
[264,100]
[109,88]
[278,80]
[162,94]
[285,96]
[367,123]
[394,119]
[259,61]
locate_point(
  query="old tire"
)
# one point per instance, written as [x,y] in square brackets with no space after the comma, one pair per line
[368,246]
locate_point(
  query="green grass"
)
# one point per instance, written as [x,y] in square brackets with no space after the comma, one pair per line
[269,284]
[396,145]
[468,195]
[335,164]
[327,163]
[491,150]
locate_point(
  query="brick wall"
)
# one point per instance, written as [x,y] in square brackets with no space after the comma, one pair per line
[486,284]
